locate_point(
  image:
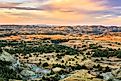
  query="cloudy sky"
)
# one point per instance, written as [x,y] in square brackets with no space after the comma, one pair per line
[105,12]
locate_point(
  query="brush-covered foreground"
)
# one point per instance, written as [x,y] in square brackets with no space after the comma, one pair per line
[54,60]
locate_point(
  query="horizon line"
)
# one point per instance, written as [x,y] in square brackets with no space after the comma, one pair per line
[59,24]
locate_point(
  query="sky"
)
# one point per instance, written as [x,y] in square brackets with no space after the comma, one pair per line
[62,12]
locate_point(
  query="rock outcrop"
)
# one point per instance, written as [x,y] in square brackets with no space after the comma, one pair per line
[5,56]
[27,73]
[115,75]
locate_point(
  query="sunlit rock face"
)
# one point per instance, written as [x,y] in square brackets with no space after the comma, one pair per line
[5,56]
[57,69]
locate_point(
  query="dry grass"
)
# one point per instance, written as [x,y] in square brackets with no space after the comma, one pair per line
[81,75]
